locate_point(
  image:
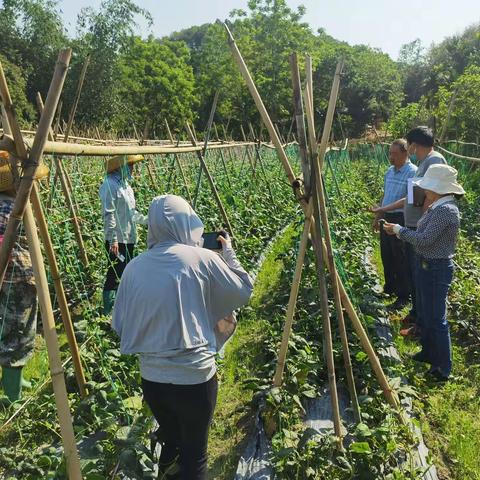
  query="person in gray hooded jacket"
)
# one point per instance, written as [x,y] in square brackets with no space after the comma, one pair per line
[174,308]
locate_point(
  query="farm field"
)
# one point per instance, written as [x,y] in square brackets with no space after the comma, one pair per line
[113,426]
[288,340]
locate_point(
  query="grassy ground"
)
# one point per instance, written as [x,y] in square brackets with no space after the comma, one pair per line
[233,415]
[449,413]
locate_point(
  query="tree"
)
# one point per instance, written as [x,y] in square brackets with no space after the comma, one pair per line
[156,83]
[414,70]
[17,86]
[102,34]
[32,34]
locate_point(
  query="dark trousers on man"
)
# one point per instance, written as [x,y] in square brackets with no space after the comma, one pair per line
[394,261]
[412,278]
[115,265]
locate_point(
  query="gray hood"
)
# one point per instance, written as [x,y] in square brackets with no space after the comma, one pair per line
[172,220]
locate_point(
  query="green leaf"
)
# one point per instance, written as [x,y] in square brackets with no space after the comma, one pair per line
[362,448]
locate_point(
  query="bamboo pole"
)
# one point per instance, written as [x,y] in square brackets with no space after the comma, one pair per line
[22,208]
[73,110]
[309,78]
[292,302]
[57,122]
[57,281]
[317,161]
[68,197]
[323,295]
[179,163]
[78,149]
[205,146]
[356,323]
[260,106]
[449,114]
[212,184]
[300,121]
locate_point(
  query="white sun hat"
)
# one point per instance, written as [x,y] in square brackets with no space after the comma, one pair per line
[441,179]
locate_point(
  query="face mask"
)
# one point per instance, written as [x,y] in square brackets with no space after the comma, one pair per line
[126,173]
[413,156]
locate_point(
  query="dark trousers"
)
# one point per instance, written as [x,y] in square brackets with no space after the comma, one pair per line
[115,266]
[184,414]
[434,278]
[394,260]
[412,274]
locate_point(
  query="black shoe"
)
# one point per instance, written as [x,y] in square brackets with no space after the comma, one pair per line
[434,375]
[420,357]
[398,304]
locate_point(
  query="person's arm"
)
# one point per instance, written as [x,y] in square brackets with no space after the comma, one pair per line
[378,216]
[391,206]
[109,211]
[230,285]
[139,218]
[440,220]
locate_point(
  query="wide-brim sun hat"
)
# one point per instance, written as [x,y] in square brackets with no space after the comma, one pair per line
[6,176]
[117,161]
[441,179]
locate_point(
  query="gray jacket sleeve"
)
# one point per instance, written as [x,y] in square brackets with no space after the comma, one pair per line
[230,285]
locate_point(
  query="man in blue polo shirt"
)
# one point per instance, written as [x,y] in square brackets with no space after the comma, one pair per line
[393,250]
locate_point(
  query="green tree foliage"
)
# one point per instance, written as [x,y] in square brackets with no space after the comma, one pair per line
[156,83]
[103,34]
[17,85]
[32,33]
[464,122]
[131,79]
[407,117]
[414,69]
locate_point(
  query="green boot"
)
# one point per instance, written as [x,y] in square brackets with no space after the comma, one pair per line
[12,382]
[108,301]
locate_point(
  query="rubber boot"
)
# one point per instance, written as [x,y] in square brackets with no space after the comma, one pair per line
[108,301]
[12,383]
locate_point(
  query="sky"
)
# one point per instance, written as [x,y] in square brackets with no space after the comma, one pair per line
[382,24]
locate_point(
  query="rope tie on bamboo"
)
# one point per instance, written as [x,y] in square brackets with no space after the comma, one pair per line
[55,373]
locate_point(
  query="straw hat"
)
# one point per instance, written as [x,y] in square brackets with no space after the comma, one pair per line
[441,179]
[6,177]
[119,160]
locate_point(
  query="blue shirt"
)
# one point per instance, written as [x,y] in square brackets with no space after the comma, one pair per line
[395,183]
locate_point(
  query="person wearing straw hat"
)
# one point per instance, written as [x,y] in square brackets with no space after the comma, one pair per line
[434,242]
[119,218]
[18,295]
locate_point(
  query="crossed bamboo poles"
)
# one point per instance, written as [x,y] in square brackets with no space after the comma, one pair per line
[316,220]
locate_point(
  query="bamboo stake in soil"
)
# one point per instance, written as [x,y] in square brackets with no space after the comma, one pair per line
[179,163]
[22,208]
[205,146]
[66,188]
[323,295]
[357,324]
[212,184]
[317,162]
[292,302]
[300,121]
[57,282]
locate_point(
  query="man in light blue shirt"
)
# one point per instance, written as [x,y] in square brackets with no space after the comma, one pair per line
[392,249]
